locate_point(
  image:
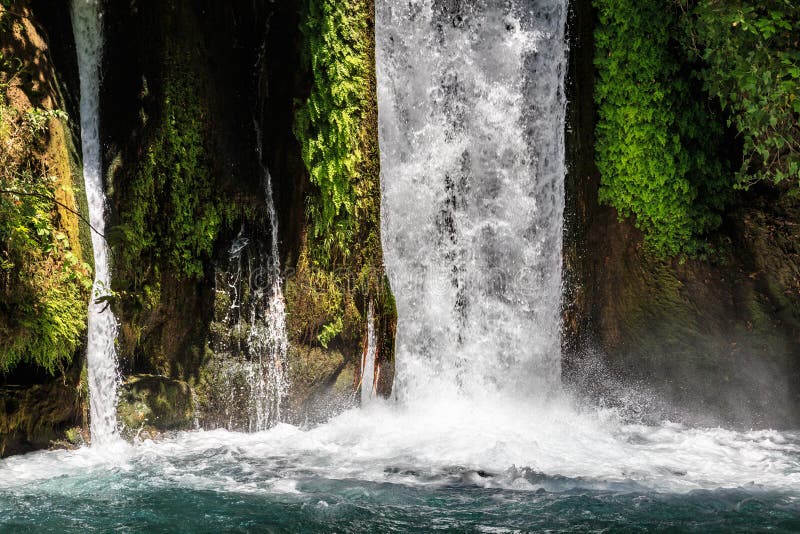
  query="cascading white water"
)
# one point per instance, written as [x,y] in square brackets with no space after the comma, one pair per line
[472,170]
[253,381]
[101,354]
[268,338]
[251,373]
[368,378]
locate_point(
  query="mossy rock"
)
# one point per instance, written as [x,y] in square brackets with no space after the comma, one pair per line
[323,383]
[33,417]
[155,403]
[45,282]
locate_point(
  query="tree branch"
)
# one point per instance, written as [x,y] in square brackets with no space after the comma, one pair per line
[52,199]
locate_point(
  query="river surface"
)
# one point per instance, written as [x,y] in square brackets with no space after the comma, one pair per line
[389,468]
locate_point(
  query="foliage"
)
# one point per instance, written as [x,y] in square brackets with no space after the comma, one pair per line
[170,210]
[330,331]
[340,267]
[44,286]
[751,52]
[317,299]
[656,142]
[329,123]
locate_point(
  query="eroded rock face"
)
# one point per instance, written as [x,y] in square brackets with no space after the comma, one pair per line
[240,69]
[39,75]
[708,342]
[35,416]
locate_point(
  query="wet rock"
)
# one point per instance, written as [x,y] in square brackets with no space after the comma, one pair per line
[154,404]
[34,416]
[705,341]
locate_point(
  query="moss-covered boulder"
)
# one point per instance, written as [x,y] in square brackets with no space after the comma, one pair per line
[154,404]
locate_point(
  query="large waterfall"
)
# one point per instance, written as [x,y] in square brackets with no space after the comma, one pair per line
[101,355]
[472,114]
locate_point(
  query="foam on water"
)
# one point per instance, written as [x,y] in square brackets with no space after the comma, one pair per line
[555,447]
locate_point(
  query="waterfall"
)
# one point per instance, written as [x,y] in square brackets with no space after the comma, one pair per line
[250,338]
[101,354]
[471,113]
[268,338]
[368,378]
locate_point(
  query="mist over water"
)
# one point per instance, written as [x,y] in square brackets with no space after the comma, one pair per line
[399,468]
[478,464]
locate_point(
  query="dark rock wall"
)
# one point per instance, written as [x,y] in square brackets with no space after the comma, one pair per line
[152,47]
[244,63]
[710,342]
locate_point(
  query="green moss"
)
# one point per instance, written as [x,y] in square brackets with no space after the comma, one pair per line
[657,142]
[83,385]
[340,268]
[316,299]
[312,367]
[345,380]
[74,436]
[330,331]
[43,282]
[171,209]
[155,402]
[329,123]
[46,330]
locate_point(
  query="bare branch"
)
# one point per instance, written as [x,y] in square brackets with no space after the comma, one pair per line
[52,199]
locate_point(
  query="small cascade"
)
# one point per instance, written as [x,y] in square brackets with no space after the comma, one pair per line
[102,333]
[269,338]
[250,340]
[369,378]
[471,127]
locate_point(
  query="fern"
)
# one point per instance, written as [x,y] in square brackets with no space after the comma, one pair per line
[329,123]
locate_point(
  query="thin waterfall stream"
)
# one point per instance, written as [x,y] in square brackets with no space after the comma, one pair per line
[101,353]
[251,352]
[268,338]
[369,380]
